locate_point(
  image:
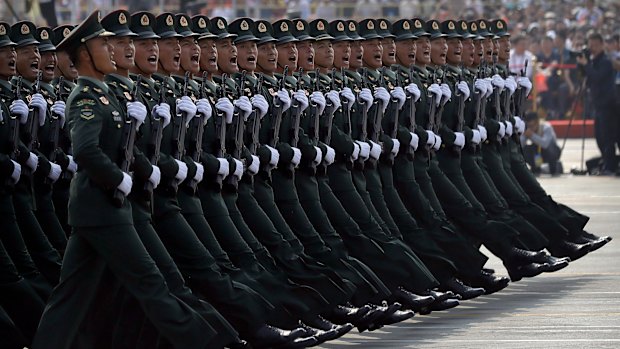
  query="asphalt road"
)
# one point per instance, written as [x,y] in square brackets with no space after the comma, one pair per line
[577,307]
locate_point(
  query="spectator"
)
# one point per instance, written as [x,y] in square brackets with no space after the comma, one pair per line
[540,145]
[519,54]
[590,15]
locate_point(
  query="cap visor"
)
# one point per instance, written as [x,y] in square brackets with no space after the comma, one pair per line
[304,37]
[405,37]
[27,42]
[265,40]
[46,48]
[226,35]
[207,36]
[245,38]
[342,38]
[187,34]
[147,35]
[4,43]
[125,32]
[286,39]
[323,37]
[371,37]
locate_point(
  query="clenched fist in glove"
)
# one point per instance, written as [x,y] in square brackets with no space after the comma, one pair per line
[365,98]
[375,150]
[334,98]
[244,106]
[136,111]
[319,100]
[399,94]
[330,155]
[459,139]
[382,94]
[463,88]
[260,103]
[203,107]
[163,111]
[285,99]
[20,108]
[39,103]
[300,96]
[347,94]
[414,91]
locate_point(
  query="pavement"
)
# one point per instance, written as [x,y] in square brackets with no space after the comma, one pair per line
[577,307]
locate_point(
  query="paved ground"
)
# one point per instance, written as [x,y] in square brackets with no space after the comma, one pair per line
[577,307]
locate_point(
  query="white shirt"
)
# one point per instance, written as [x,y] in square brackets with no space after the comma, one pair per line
[517,62]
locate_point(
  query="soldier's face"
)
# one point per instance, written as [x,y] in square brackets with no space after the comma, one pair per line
[226,56]
[65,66]
[455,51]
[28,59]
[323,54]
[405,52]
[147,55]
[267,58]
[487,45]
[8,59]
[48,65]
[190,55]
[469,50]
[439,51]
[478,52]
[169,55]
[247,54]
[423,51]
[373,53]
[101,53]
[389,51]
[357,55]
[305,51]
[342,54]
[495,47]
[504,48]
[287,55]
[124,52]
[208,55]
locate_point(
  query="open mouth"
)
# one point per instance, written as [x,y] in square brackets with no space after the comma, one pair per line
[272,60]
[34,65]
[251,59]
[292,58]
[377,56]
[50,68]
[443,55]
[195,58]
[152,59]
[345,59]
[12,63]
[392,54]
[233,60]
[411,56]
[177,58]
[310,59]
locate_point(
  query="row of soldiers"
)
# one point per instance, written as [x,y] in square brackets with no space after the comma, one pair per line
[257,184]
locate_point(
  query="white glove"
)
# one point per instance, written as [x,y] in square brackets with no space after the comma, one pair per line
[483,133]
[58,108]
[396,146]
[414,90]
[155,176]
[275,156]
[502,130]
[72,167]
[55,172]
[364,149]
[32,162]
[399,94]
[319,156]
[510,84]
[464,88]
[347,94]
[436,90]
[481,86]
[285,99]
[317,98]
[20,108]
[489,87]
[382,94]
[415,140]
[446,93]
[238,169]
[365,97]
[126,184]
[254,166]
[508,128]
[38,102]
[187,106]
[224,168]
[203,107]
[459,139]
[260,103]
[498,82]
[525,82]
[17,171]
[163,111]
[200,172]
[375,150]
[300,96]
[356,151]
[182,172]
[476,138]
[225,106]
[431,138]
[296,156]
[519,125]
[334,97]
[437,144]
[245,107]
[330,155]
[136,111]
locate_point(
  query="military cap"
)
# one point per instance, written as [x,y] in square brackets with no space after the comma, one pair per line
[200,25]
[61,32]
[5,28]
[367,29]
[263,30]
[473,30]
[44,36]
[219,27]
[301,29]
[338,30]
[282,31]
[499,28]
[118,23]
[483,28]
[418,28]
[242,27]
[142,24]
[182,26]
[22,33]
[434,29]
[384,28]
[164,26]
[352,30]
[449,29]
[318,29]
[463,29]
[402,30]
[90,28]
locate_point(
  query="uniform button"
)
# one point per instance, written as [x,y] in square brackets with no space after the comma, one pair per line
[118,125]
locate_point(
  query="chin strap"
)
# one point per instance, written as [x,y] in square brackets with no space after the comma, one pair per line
[91,58]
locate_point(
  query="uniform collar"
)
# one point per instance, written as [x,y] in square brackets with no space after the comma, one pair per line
[122,79]
[86,80]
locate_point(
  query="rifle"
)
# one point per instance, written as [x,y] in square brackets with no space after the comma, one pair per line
[432,110]
[14,127]
[296,115]
[238,129]
[313,130]
[274,131]
[411,109]
[345,104]
[54,135]
[196,130]
[129,137]
[32,125]
[496,94]
[326,128]
[255,127]
[521,98]
[179,129]
[220,127]
[460,110]
[377,116]
[154,144]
